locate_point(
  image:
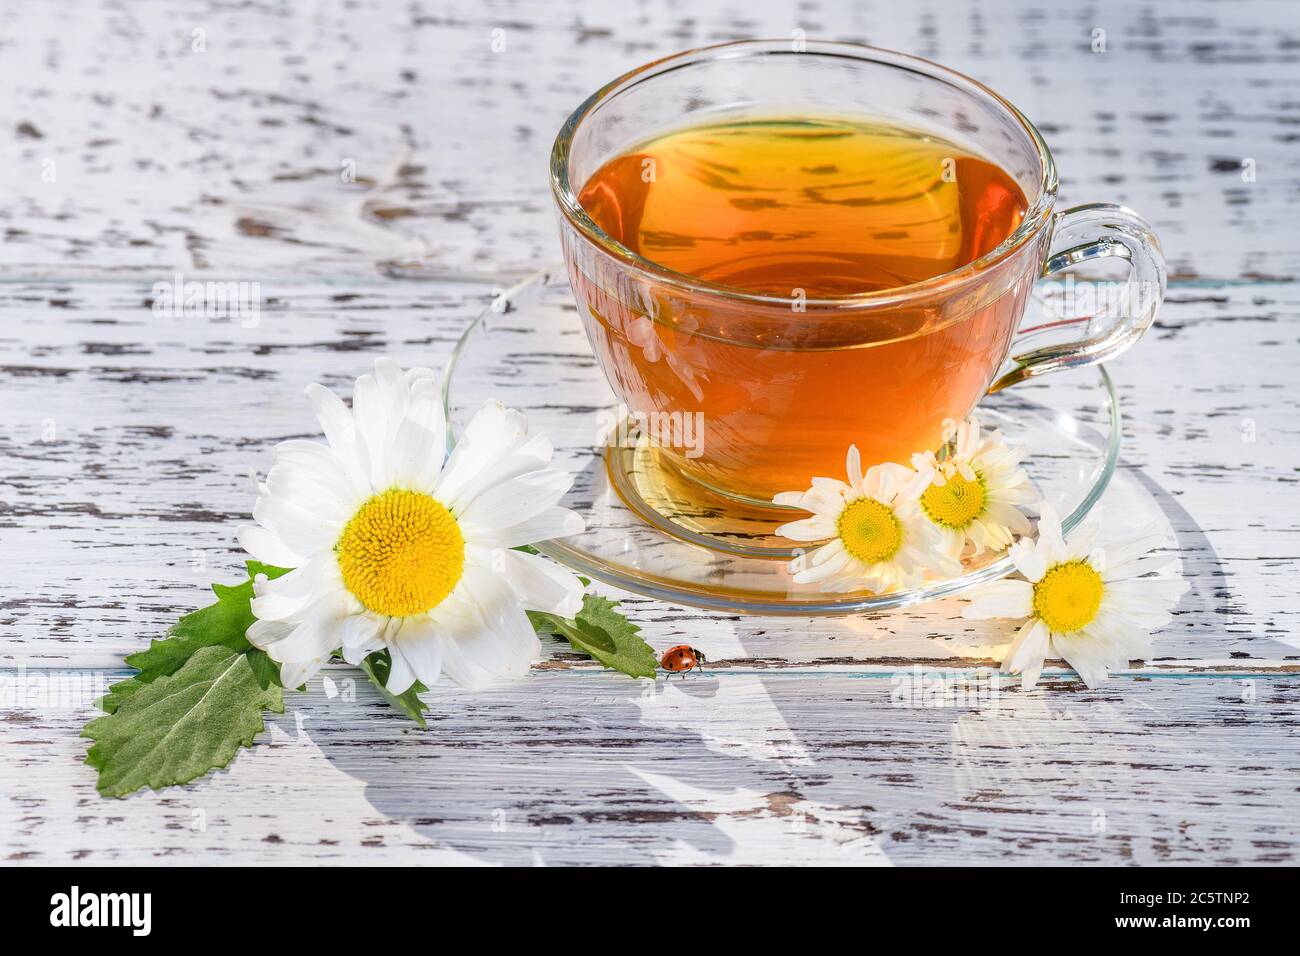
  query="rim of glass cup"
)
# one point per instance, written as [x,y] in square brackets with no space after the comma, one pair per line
[1035,218]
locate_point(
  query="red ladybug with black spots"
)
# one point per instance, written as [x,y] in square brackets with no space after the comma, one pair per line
[682,658]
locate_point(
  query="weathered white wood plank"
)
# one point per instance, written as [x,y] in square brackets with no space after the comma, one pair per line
[128,438]
[199,135]
[584,768]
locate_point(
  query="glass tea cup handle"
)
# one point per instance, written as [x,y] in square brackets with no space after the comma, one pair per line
[1083,234]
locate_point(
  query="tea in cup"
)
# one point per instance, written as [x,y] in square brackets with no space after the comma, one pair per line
[807,246]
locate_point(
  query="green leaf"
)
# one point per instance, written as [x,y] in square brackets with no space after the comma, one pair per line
[377,667]
[179,726]
[222,623]
[602,632]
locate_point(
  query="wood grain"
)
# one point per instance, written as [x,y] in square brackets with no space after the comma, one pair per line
[128,439]
[739,768]
[231,158]
[130,436]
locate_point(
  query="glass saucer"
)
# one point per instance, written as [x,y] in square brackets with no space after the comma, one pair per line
[652,533]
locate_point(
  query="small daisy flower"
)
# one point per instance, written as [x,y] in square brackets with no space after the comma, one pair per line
[1094,608]
[977,490]
[396,544]
[879,539]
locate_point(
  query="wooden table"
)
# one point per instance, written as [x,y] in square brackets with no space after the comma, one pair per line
[215,141]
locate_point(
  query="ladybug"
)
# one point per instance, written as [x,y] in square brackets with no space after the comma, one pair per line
[682,658]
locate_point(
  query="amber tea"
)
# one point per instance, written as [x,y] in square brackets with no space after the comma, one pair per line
[805,211]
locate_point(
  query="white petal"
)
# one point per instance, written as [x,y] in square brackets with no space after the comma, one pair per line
[421,443]
[496,655]
[487,638]
[1146,539]
[552,523]
[370,412]
[913,487]
[853,465]
[1082,655]
[540,585]
[301,530]
[505,619]
[952,542]
[1136,567]
[827,561]
[420,643]
[1051,542]
[265,633]
[968,439]
[1029,559]
[1027,651]
[515,500]
[818,556]
[816,528]
[320,460]
[461,669]
[1122,638]
[1082,538]
[418,375]
[1148,602]
[266,546]
[826,498]
[922,540]
[394,389]
[400,674]
[884,481]
[465,477]
[925,460]
[1004,524]
[287,596]
[359,637]
[316,636]
[1005,598]
[484,583]
[334,417]
[831,488]
[295,674]
[313,491]
[489,439]
[340,431]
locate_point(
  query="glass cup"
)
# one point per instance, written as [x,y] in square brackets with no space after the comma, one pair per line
[771,391]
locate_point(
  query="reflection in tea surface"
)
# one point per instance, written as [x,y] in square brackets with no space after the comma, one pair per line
[802,209]
[831,207]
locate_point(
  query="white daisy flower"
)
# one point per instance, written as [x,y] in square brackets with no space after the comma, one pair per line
[879,539]
[977,490]
[1094,608]
[398,545]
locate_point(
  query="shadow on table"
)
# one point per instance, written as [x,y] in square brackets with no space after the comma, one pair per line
[580,767]
[560,768]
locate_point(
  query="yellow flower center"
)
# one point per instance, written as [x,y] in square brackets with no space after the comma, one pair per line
[401,554]
[956,503]
[871,532]
[1068,596]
